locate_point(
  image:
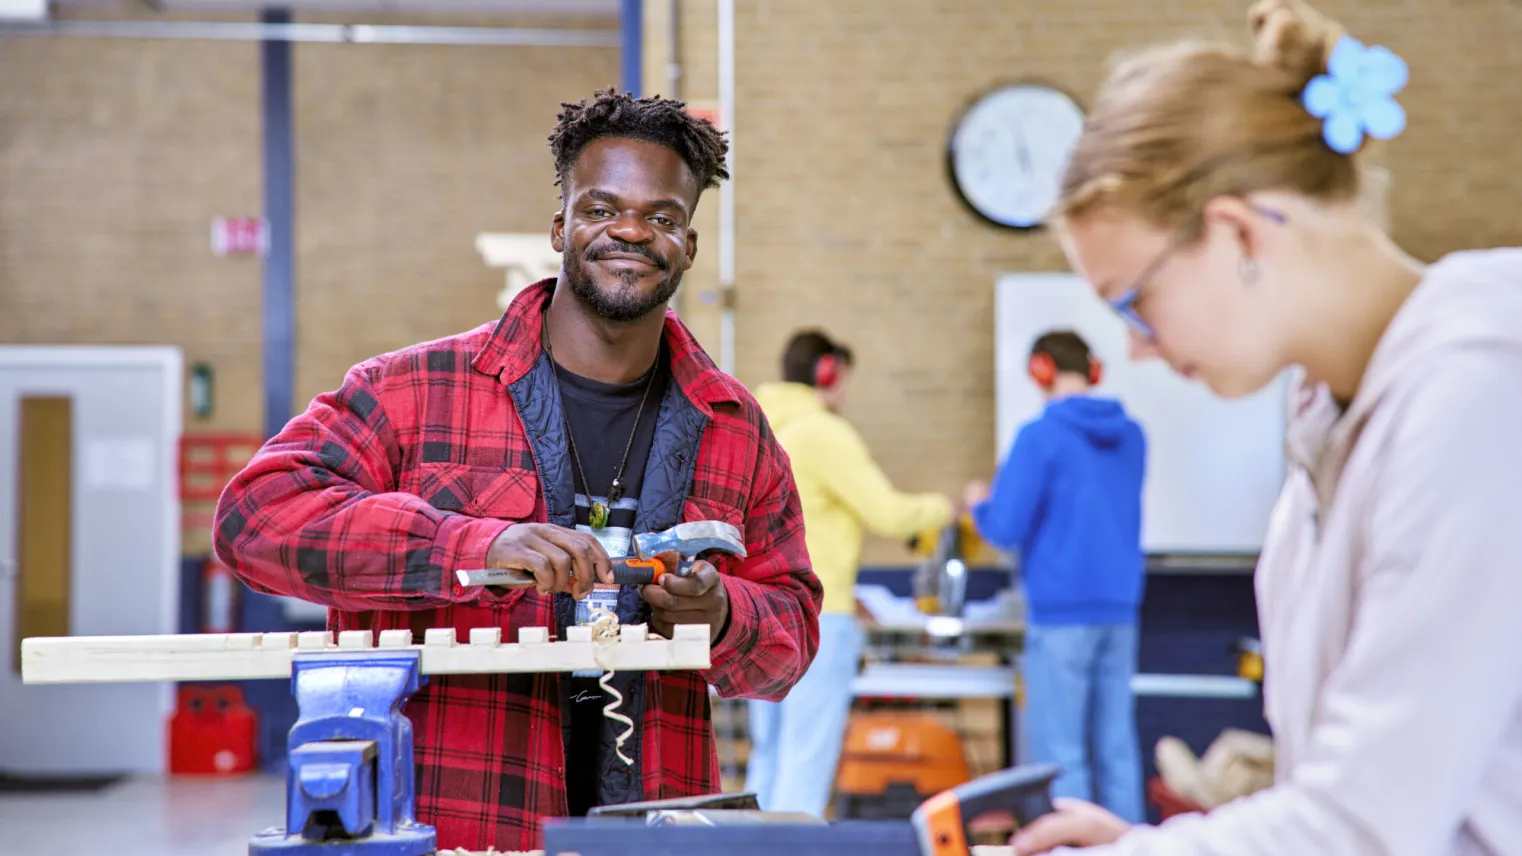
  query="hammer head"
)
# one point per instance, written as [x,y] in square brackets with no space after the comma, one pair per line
[692,538]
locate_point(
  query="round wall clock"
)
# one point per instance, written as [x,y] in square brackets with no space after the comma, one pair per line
[1008,150]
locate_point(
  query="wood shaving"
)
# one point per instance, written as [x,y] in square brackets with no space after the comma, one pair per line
[605,631]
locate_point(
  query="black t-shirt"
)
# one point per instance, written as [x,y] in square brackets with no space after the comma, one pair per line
[602,418]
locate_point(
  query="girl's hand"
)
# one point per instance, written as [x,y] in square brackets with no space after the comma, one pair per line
[1075,823]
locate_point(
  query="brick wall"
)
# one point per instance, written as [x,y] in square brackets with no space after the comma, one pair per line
[405,154]
[846,219]
[116,155]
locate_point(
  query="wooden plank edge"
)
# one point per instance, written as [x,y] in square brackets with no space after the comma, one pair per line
[198,657]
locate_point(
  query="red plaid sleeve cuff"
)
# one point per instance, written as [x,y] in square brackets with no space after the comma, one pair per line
[461,544]
[740,630]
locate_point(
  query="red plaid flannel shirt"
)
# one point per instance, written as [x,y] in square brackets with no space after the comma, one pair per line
[330,511]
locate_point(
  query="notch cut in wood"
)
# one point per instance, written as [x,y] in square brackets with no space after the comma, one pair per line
[249,656]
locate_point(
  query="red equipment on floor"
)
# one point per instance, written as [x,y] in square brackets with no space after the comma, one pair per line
[212,732]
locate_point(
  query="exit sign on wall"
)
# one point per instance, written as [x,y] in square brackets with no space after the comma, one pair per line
[239,236]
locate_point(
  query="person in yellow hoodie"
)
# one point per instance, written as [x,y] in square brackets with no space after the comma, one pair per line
[795,743]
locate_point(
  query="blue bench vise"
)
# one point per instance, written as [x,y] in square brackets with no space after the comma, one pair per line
[349,787]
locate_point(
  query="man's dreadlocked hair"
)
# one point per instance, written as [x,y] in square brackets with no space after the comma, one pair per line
[654,119]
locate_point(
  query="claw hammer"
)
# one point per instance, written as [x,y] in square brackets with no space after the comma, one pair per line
[652,559]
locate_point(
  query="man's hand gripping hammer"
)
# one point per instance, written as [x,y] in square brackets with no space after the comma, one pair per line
[655,555]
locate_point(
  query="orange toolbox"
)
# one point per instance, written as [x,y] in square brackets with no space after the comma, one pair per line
[894,760]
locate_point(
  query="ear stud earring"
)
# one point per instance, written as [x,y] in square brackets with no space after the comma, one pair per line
[1247,269]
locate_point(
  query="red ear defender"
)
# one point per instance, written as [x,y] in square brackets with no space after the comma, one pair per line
[826,371]
[1043,370]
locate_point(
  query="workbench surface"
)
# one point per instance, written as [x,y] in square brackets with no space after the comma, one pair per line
[980,850]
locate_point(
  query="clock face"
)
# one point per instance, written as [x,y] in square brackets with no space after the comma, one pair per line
[1009,149]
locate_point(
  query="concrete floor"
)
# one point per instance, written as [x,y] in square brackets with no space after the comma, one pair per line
[144,817]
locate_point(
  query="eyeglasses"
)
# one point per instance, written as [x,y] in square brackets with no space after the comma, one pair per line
[1125,304]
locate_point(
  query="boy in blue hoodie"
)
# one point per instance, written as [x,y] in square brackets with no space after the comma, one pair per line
[1068,499]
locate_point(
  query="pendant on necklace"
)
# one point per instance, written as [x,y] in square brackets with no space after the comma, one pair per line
[616,492]
[598,516]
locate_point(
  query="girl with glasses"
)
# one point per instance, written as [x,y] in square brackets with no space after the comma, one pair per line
[1214,201]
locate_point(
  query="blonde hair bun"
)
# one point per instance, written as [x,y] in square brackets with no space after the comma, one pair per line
[1179,124]
[1290,35]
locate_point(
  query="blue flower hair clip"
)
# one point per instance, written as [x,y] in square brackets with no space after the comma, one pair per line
[1356,97]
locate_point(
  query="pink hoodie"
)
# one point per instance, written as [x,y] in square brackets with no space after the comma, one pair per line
[1390,599]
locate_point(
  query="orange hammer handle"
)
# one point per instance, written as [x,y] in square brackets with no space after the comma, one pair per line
[638,572]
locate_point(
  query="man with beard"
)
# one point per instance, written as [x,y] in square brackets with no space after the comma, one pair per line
[541,442]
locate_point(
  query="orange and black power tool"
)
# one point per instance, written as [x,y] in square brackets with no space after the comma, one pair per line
[940,823]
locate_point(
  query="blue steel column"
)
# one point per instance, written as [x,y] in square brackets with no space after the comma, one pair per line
[279,213]
[631,29]
[258,612]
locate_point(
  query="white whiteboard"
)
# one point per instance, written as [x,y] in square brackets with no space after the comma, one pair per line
[1214,466]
